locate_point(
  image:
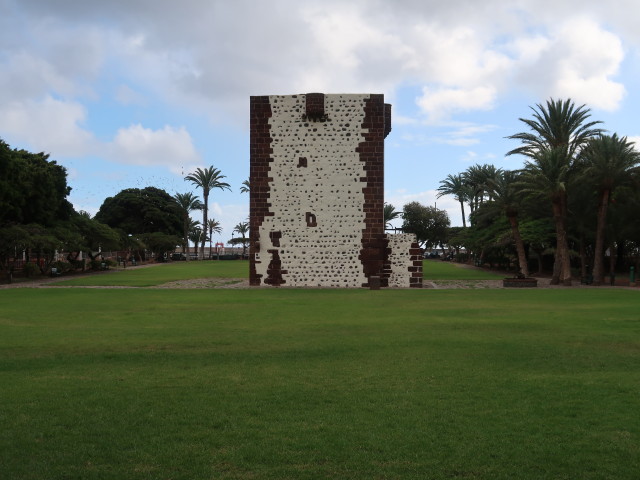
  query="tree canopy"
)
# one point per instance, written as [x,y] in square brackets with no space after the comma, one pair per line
[33,189]
[575,198]
[429,224]
[141,211]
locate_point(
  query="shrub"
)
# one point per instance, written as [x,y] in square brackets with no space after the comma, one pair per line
[30,269]
[76,264]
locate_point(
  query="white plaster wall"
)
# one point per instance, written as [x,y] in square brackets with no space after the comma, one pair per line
[400,259]
[329,187]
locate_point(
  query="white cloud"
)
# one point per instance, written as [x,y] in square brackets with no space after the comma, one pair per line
[168,147]
[48,125]
[26,76]
[211,57]
[125,95]
[467,135]
[61,62]
[439,104]
[578,59]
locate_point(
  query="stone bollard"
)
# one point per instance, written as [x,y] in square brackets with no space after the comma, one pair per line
[374,282]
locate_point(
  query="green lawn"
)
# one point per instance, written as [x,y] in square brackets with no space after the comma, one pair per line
[162,273]
[439,270]
[308,384]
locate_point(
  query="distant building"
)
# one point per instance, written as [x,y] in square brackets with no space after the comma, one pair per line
[317,194]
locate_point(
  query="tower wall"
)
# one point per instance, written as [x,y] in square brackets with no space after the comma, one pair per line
[317,190]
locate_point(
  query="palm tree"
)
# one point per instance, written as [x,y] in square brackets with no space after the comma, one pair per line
[608,162]
[242,228]
[506,197]
[389,214]
[477,178]
[214,227]
[196,235]
[186,202]
[547,177]
[456,186]
[246,187]
[207,179]
[558,126]
[558,133]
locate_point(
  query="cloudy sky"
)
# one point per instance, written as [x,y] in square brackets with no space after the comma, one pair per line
[132,93]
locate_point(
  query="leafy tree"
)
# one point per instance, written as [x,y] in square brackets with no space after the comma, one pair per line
[42,244]
[429,224]
[133,244]
[207,180]
[13,239]
[139,211]
[160,243]
[33,189]
[96,236]
[187,202]
[538,234]
[558,131]
[608,163]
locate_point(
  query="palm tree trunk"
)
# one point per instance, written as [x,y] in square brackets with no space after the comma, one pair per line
[583,259]
[205,213]
[598,261]
[612,259]
[557,267]
[464,221]
[562,247]
[557,261]
[522,257]
[185,243]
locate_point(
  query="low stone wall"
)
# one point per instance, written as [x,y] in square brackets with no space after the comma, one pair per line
[404,267]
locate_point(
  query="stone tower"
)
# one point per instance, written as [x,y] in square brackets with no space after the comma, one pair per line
[317,194]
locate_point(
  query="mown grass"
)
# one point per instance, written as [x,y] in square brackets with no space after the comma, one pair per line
[439,270]
[163,273]
[307,384]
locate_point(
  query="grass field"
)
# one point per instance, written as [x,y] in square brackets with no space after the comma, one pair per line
[439,270]
[307,384]
[163,273]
